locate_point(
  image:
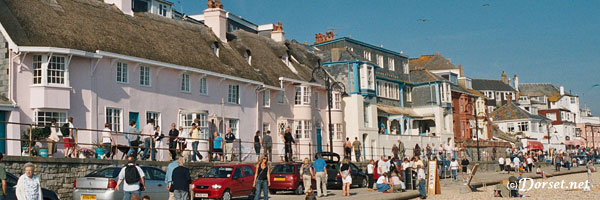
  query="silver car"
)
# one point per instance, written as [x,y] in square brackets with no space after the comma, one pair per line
[100,184]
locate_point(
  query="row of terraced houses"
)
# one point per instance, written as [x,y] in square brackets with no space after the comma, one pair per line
[114,61]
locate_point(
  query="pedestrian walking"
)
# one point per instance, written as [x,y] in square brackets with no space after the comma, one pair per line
[517,162]
[347,148]
[182,181]
[267,143]
[370,171]
[69,139]
[107,141]
[319,172]
[147,132]
[590,169]
[172,142]
[262,178]
[530,163]
[501,163]
[257,144]
[195,133]
[183,141]
[229,138]
[464,163]
[288,139]
[357,148]
[2,179]
[218,147]
[421,179]
[346,177]
[28,186]
[53,137]
[132,138]
[306,174]
[157,144]
[133,178]
[169,177]
[454,167]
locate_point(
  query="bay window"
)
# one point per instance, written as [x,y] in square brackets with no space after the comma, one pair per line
[303,128]
[50,70]
[302,95]
[187,119]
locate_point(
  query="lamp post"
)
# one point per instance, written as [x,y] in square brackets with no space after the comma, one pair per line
[477,126]
[330,85]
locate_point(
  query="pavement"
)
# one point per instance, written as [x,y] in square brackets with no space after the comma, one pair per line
[448,186]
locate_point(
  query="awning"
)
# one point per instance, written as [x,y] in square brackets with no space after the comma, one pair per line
[575,142]
[398,110]
[535,145]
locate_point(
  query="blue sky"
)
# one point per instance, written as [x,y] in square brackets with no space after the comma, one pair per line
[540,41]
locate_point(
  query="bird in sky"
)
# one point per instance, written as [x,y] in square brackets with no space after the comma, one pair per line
[487,4]
[595,85]
[422,20]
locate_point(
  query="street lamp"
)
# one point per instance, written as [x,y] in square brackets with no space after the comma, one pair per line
[477,126]
[330,85]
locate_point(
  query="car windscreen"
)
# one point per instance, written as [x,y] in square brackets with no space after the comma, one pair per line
[219,172]
[283,169]
[112,172]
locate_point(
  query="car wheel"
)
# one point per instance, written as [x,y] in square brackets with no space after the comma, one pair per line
[226,195]
[272,191]
[364,183]
[299,190]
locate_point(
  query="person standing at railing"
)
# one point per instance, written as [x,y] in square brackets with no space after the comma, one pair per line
[347,148]
[357,148]
[395,150]
[195,141]
[157,143]
[229,138]
[218,147]
[183,142]
[69,139]
[401,149]
[53,138]
[257,144]
[267,143]
[147,132]
[132,138]
[107,140]
[172,142]
[288,139]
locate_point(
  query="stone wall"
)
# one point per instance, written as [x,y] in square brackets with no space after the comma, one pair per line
[3,67]
[58,174]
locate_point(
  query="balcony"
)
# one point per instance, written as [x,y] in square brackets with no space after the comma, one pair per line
[53,97]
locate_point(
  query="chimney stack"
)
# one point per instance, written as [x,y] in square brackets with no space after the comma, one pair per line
[516,80]
[320,38]
[123,5]
[503,75]
[216,18]
[277,34]
[562,90]
[461,71]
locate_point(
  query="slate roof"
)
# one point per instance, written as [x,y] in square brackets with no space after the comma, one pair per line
[496,132]
[540,89]
[490,84]
[91,25]
[457,88]
[423,76]
[511,111]
[431,62]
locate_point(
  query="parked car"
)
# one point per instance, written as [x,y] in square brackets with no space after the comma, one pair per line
[11,183]
[334,179]
[225,182]
[582,160]
[286,177]
[100,184]
[597,159]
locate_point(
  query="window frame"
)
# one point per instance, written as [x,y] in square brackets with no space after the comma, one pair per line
[281,97]
[391,64]
[47,119]
[267,98]
[145,76]
[114,118]
[233,98]
[185,85]
[122,71]
[302,95]
[37,69]
[203,86]
[57,70]
[187,118]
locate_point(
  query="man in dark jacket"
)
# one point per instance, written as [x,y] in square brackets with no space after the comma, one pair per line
[288,139]
[229,138]
[173,134]
[182,181]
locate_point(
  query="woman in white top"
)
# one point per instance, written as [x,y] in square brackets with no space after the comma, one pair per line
[501,163]
[370,171]
[107,141]
[507,164]
[29,187]
[454,167]
[530,163]
[346,177]
[383,184]
[421,181]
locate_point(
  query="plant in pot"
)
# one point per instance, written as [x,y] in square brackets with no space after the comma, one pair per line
[37,134]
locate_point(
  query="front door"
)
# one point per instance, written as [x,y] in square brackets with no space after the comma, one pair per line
[319,141]
[135,116]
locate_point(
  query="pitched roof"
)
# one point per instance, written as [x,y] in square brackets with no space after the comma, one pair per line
[511,111]
[460,89]
[422,76]
[496,132]
[540,89]
[490,84]
[431,62]
[91,25]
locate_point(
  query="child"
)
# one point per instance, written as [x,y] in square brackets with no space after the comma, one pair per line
[540,172]
[310,195]
[146,198]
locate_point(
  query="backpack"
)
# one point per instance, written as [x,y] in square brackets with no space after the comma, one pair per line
[131,174]
[64,130]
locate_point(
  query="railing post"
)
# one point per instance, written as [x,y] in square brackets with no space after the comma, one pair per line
[239,150]
[30,137]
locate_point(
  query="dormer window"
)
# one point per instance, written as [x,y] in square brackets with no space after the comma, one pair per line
[248,57]
[215,48]
[162,9]
[285,59]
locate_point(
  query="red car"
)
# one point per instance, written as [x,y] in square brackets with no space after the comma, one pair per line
[286,177]
[225,182]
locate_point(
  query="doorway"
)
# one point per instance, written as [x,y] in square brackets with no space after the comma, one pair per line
[135,116]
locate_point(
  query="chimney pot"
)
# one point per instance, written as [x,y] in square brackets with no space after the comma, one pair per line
[562,90]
